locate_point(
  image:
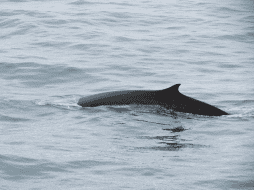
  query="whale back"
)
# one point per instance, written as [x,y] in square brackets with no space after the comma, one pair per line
[171,98]
[146,97]
[173,89]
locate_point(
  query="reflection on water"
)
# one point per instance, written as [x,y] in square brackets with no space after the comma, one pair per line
[172,142]
[178,146]
[151,122]
[176,129]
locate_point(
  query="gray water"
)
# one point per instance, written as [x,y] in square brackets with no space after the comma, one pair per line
[54,52]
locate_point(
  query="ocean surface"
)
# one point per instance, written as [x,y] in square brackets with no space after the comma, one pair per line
[54,52]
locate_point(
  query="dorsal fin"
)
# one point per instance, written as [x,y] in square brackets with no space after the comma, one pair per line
[172,89]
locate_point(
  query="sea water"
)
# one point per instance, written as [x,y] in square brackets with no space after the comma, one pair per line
[54,52]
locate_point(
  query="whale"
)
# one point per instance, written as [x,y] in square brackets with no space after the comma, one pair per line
[169,98]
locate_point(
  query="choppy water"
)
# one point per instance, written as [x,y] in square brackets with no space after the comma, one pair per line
[54,52]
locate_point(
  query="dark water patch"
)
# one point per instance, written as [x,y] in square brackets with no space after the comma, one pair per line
[171,142]
[29,13]
[20,168]
[175,27]
[176,146]
[87,36]
[15,105]
[176,129]
[158,110]
[173,146]
[229,183]
[121,15]
[37,14]
[124,4]
[53,147]
[124,39]
[82,2]
[18,143]
[36,75]
[123,68]
[210,71]
[88,46]
[144,50]
[15,172]
[248,19]
[17,1]
[151,122]
[9,23]
[45,114]
[12,68]
[19,32]
[120,110]
[12,119]
[54,22]
[199,62]
[82,164]
[6,13]
[20,28]
[248,184]
[251,34]
[162,138]
[243,102]
[227,10]
[17,159]
[235,37]
[141,171]
[149,109]
[107,21]
[83,46]
[9,13]
[52,44]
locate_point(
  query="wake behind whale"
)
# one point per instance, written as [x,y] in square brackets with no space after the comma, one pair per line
[169,98]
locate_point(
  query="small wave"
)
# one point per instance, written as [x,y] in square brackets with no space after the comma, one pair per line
[229,10]
[54,44]
[124,39]
[172,143]
[20,168]
[54,23]
[68,102]
[176,129]
[242,109]
[241,115]
[12,119]
[36,75]
[82,2]
[177,146]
